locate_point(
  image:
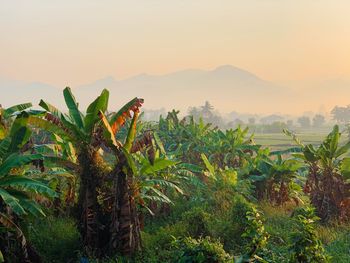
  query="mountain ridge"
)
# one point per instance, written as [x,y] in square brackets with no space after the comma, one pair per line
[227,87]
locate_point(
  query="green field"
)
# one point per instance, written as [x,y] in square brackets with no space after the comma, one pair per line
[280,141]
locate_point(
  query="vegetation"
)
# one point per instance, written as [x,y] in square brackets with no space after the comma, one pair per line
[306,246]
[107,186]
[327,176]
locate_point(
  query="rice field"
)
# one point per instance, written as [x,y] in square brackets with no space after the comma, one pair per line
[280,141]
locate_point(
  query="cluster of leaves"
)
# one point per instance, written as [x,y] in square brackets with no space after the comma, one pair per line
[255,234]
[17,189]
[234,152]
[200,250]
[188,140]
[276,179]
[306,246]
[328,171]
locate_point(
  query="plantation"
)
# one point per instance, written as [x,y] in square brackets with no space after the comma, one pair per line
[103,185]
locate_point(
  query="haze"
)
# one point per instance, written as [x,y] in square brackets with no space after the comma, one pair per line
[299,46]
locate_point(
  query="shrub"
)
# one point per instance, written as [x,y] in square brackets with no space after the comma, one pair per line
[200,250]
[235,225]
[158,245]
[306,246]
[197,221]
[56,239]
[254,234]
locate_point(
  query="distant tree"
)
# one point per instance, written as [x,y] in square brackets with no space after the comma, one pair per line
[207,110]
[304,122]
[207,113]
[238,122]
[318,120]
[290,123]
[251,121]
[271,119]
[341,114]
[195,112]
[153,115]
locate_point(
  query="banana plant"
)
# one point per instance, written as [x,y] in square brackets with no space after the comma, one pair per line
[16,189]
[6,116]
[189,139]
[276,180]
[142,174]
[85,138]
[59,169]
[125,235]
[183,137]
[80,139]
[232,148]
[329,169]
[80,133]
[225,182]
[155,181]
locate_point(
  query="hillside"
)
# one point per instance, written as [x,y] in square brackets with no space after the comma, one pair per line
[229,88]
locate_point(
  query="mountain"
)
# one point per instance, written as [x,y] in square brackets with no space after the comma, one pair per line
[228,88]
[15,92]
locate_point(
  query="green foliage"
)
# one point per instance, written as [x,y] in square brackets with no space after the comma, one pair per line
[202,250]
[73,108]
[200,143]
[15,189]
[306,246]
[158,242]
[279,225]
[239,220]
[338,246]
[99,104]
[255,235]
[56,239]
[276,178]
[199,184]
[328,169]
[198,222]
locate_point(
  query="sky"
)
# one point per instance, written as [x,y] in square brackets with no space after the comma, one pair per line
[76,42]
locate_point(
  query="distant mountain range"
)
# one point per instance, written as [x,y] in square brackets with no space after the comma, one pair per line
[228,88]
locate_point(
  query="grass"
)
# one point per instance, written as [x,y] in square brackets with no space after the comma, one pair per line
[279,224]
[337,241]
[56,238]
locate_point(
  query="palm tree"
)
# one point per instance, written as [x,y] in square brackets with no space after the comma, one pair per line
[207,110]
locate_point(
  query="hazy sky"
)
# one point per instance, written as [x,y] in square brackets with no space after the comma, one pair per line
[78,41]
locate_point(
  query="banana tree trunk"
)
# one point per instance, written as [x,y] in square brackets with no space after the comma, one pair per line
[125,225]
[88,207]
